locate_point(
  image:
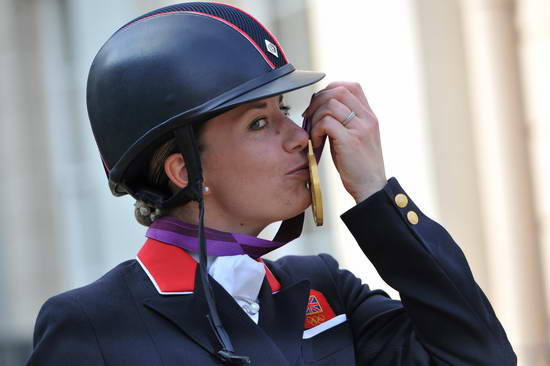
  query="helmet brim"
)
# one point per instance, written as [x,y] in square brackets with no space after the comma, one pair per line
[286,83]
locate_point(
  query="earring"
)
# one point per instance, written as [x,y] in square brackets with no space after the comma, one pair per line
[206,189]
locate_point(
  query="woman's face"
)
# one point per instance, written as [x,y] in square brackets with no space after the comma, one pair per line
[255,165]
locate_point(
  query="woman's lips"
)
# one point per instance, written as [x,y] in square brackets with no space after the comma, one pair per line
[302,170]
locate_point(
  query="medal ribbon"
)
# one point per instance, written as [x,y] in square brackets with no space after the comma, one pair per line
[171,230]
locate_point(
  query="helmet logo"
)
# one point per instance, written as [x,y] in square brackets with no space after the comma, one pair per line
[271,48]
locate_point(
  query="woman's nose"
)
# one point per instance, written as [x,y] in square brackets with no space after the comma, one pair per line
[296,137]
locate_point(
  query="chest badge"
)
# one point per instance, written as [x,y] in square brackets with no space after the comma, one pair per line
[318,310]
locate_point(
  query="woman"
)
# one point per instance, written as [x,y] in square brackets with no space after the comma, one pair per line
[186,107]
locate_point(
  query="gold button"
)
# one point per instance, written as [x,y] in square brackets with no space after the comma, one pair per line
[401,200]
[412,217]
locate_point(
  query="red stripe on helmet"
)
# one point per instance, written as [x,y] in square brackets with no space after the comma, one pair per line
[221,20]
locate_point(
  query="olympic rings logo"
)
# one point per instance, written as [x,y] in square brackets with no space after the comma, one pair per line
[316,319]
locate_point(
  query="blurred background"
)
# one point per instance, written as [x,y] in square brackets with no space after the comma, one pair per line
[461,89]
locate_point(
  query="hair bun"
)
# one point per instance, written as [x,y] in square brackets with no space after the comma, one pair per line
[146,214]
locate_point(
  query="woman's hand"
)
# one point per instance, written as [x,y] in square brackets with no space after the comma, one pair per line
[355,147]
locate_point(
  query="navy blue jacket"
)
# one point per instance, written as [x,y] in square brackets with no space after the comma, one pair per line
[443,317]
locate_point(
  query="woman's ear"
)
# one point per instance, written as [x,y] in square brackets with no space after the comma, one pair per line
[174,167]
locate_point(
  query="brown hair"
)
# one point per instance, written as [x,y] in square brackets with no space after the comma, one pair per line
[156,177]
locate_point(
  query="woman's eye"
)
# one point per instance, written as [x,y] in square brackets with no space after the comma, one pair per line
[258,124]
[261,122]
[285,108]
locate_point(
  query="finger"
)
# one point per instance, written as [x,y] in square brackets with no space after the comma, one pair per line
[354,87]
[328,125]
[334,108]
[342,95]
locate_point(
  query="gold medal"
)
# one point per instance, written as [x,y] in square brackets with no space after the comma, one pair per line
[314,186]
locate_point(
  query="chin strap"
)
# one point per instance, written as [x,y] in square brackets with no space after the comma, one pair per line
[188,147]
[226,353]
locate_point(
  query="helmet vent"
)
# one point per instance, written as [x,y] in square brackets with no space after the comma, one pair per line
[240,19]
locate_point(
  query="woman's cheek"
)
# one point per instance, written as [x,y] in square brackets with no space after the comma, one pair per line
[306,197]
[296,196]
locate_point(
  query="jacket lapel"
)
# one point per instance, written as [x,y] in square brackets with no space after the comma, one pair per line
[189,312]
[282,314]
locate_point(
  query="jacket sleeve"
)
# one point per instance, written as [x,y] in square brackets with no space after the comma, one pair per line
[444,317]
[63,335]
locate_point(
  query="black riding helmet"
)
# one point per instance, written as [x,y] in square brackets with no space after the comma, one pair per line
[165,71]
[172,67]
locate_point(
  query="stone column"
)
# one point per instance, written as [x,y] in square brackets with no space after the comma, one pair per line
[513,263]
[533,25]
[30,256]
[449,118]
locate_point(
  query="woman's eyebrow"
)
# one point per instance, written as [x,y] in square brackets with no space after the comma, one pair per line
[263,105]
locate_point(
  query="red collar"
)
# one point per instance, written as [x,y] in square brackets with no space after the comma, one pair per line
[172,270]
